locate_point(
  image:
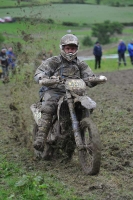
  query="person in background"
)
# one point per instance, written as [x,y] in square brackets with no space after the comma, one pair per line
[130,50]
[4,65]
[121,52]
[11,59]
[97,52]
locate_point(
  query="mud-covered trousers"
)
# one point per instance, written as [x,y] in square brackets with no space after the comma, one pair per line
[48,109]
[5,71]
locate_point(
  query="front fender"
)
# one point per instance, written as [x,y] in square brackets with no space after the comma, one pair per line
[86,102]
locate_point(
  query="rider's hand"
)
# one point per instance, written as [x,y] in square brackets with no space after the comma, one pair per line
[55,78]
[49,82]
[103,78]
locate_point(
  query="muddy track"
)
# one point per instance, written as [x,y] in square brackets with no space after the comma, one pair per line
[113,117]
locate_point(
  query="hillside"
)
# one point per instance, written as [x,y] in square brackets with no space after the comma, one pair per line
[15,3]
[113,117]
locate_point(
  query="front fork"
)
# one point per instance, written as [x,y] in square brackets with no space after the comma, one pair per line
[75,123]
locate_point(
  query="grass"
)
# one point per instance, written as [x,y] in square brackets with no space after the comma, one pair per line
[109,65]
[47,36]
[124,2]
[104,2]
[89,14]
[16,183]
[112,50]
[11,3]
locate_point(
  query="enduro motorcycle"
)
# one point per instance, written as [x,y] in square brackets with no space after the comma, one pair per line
[72,127]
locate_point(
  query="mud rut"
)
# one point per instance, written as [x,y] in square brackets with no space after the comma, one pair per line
[114,119]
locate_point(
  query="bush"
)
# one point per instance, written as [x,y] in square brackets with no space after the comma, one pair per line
[70,24]
[106,30]
[87,41]
[35,20]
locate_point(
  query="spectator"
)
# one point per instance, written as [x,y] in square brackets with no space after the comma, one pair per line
[97,51]
[130,50]
[121,52]
[4,64]
[11,59]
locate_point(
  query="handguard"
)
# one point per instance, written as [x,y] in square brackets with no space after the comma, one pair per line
[96,79]
[49,82]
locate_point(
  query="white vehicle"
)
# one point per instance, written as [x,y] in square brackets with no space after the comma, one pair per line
[2,20]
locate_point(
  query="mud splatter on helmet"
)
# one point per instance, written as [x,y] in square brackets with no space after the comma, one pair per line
[69,39]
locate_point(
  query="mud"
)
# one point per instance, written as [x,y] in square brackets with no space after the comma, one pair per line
[113,117]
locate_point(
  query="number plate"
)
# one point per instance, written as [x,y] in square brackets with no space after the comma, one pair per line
[75,84]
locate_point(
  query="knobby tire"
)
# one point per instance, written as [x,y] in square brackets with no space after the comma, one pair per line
[90,157]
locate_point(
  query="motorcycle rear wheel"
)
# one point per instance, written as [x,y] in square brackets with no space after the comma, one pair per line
[90,156]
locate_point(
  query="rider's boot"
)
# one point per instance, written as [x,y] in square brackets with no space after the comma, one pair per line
[42,136]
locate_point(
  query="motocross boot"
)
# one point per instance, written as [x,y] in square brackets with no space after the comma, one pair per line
[42,136]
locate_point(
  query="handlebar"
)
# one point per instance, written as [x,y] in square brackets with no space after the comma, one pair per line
[57,79]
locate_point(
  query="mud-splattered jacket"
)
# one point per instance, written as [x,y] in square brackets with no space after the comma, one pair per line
[58,66]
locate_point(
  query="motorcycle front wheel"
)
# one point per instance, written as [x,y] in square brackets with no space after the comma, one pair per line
[90,155]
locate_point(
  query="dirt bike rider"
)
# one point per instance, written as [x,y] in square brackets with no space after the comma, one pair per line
[47,74]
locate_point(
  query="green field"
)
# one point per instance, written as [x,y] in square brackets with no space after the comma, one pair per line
[6,3]
[11,3]
[80,14]
[47,36]
[109,65]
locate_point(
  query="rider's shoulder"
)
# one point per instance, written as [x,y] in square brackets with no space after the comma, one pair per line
[55,59]
[81,63]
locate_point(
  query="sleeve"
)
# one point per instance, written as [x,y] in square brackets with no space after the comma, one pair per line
[86,72]
[46,70]
[94,50]
[101,51]
[118,49]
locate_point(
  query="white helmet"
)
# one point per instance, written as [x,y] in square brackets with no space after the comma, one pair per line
[66,40]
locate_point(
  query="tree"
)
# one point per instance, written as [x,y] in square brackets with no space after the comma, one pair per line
[106,30]
[98,2]
[87,41]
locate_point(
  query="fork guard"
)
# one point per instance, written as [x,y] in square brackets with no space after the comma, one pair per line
[86,102]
